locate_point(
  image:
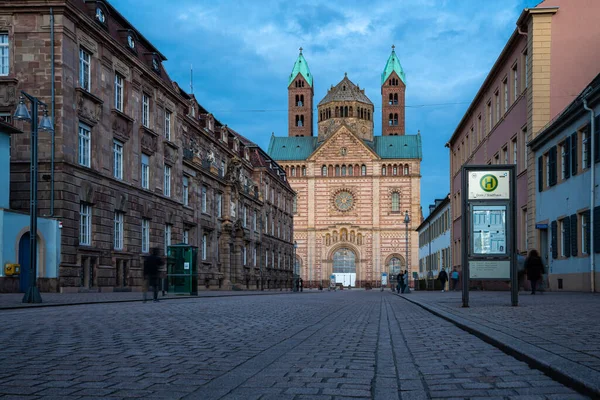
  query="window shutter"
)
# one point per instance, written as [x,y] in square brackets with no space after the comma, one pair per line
[566,221]
[587,230]
[597,229]
[596,137]
[574,234]
[540,173]
[574,154]
[567,159]
[552,165]
[553,226]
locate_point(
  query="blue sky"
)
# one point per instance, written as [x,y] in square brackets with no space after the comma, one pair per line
[243,51]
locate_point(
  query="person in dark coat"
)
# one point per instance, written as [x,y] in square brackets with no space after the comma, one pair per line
[401,282]
[152,265]
[443,278]
[398,281]
[534,268]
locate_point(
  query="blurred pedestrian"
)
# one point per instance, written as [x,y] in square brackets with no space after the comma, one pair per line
[534,268]
[152,265]
[454,278]
[406,288]
[301,284]
[443,278]
[398,282]
[401,282]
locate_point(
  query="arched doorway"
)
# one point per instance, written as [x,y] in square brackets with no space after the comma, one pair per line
[394,263]
[344,266]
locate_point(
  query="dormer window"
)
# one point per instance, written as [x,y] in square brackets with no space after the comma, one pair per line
[246,154]
[224,136]
[193,111]
[131,42]
[156,66]
[100,17]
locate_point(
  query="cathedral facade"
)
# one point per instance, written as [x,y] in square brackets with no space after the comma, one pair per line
[355,190]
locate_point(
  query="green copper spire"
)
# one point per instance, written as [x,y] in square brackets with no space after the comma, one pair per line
[393,64]
[301,67]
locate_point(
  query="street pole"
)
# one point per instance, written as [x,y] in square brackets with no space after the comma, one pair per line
[295,279]
[406,221]
[33,294]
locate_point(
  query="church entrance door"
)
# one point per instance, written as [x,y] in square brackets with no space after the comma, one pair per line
[344,267]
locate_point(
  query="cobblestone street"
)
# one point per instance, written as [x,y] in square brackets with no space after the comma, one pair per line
[325,345]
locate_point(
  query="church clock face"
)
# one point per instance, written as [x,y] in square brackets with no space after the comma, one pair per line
[344,201]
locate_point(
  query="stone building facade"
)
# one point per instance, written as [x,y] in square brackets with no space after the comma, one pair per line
[138,163]
[353,188]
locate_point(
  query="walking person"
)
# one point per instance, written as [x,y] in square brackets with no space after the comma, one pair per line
[454,278]
[398,282]
[401,282]
[443,278]
[152,265]
[405,280]
[534,268]
[301,284]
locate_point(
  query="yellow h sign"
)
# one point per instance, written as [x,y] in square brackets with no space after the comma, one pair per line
[488,183]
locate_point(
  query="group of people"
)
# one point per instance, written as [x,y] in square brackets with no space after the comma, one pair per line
[402,282]
[532,266]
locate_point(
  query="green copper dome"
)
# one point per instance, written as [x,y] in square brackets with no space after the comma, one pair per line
[301,67]
[393,64]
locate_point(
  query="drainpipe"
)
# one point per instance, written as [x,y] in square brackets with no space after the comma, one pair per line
[592,198]
[52,114]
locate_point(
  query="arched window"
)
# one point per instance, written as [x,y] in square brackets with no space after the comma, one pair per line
[395,98]
[406,169]
[293,171]
[394,267]
[391,120]
[345,111]
[395,170]
[330,170]
[344,262]
[350,170]
[390,101]
[297,99]
[359,239]
[369,115]
[303,170]
[363,170]
[395,202]
[343,170]
[324,170]
[383,171]
[299,120]
[337,170]
[301,102]
[395,119]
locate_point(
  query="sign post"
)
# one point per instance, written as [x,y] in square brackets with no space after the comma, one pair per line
[489,226]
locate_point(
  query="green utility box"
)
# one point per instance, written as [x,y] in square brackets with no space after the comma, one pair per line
[182,269]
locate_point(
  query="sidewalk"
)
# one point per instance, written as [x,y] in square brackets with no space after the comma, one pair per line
[14,300]
[558,333]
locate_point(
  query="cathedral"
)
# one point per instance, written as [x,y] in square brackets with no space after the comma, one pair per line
[357,194]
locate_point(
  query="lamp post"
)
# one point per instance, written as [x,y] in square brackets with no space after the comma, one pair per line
[407,221]
[295,283]
[22,113]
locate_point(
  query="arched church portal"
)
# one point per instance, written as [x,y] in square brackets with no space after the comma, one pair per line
[344,266]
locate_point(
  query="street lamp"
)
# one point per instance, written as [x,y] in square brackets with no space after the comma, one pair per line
[46,124]
[406,221]
[295,288]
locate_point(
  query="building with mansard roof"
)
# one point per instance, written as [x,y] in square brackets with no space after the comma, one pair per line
[354,188]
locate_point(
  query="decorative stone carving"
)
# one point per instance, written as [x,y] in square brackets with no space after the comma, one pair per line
[121,202]
[87,192]
[122,125]
[87,42]
[8,95]
[89,107]
[149,142]
[170,153]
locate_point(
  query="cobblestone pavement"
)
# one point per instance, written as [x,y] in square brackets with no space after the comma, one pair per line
[320,345]
[559,331]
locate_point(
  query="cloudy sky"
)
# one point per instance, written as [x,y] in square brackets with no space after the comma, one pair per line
[243,51]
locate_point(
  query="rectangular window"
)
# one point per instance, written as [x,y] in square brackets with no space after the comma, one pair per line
[563,162]
[584,233]
[167,237]
[117,159]
[244,259]
[145,235]
[118,231]
[84,145]
[204,246]
[84,70]
[186,191]
[505,85]
[563,237]
[497,99]
[203,199]
[254,256]
[505,155]
[119,92]
[85,224]
[514,151]
[515,83]
[186,236]
[219,202]
[489,108]
[254,218]
[244,215]
[145,172]
[4,54]
[145,110]
[167,185]
[167,125]
[585,149]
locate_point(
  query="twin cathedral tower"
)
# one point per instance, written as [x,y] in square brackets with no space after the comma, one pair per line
[354,189]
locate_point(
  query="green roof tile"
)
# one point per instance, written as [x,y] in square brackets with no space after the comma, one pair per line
[292,148]
[301,67]
[393,64]
[404,146]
